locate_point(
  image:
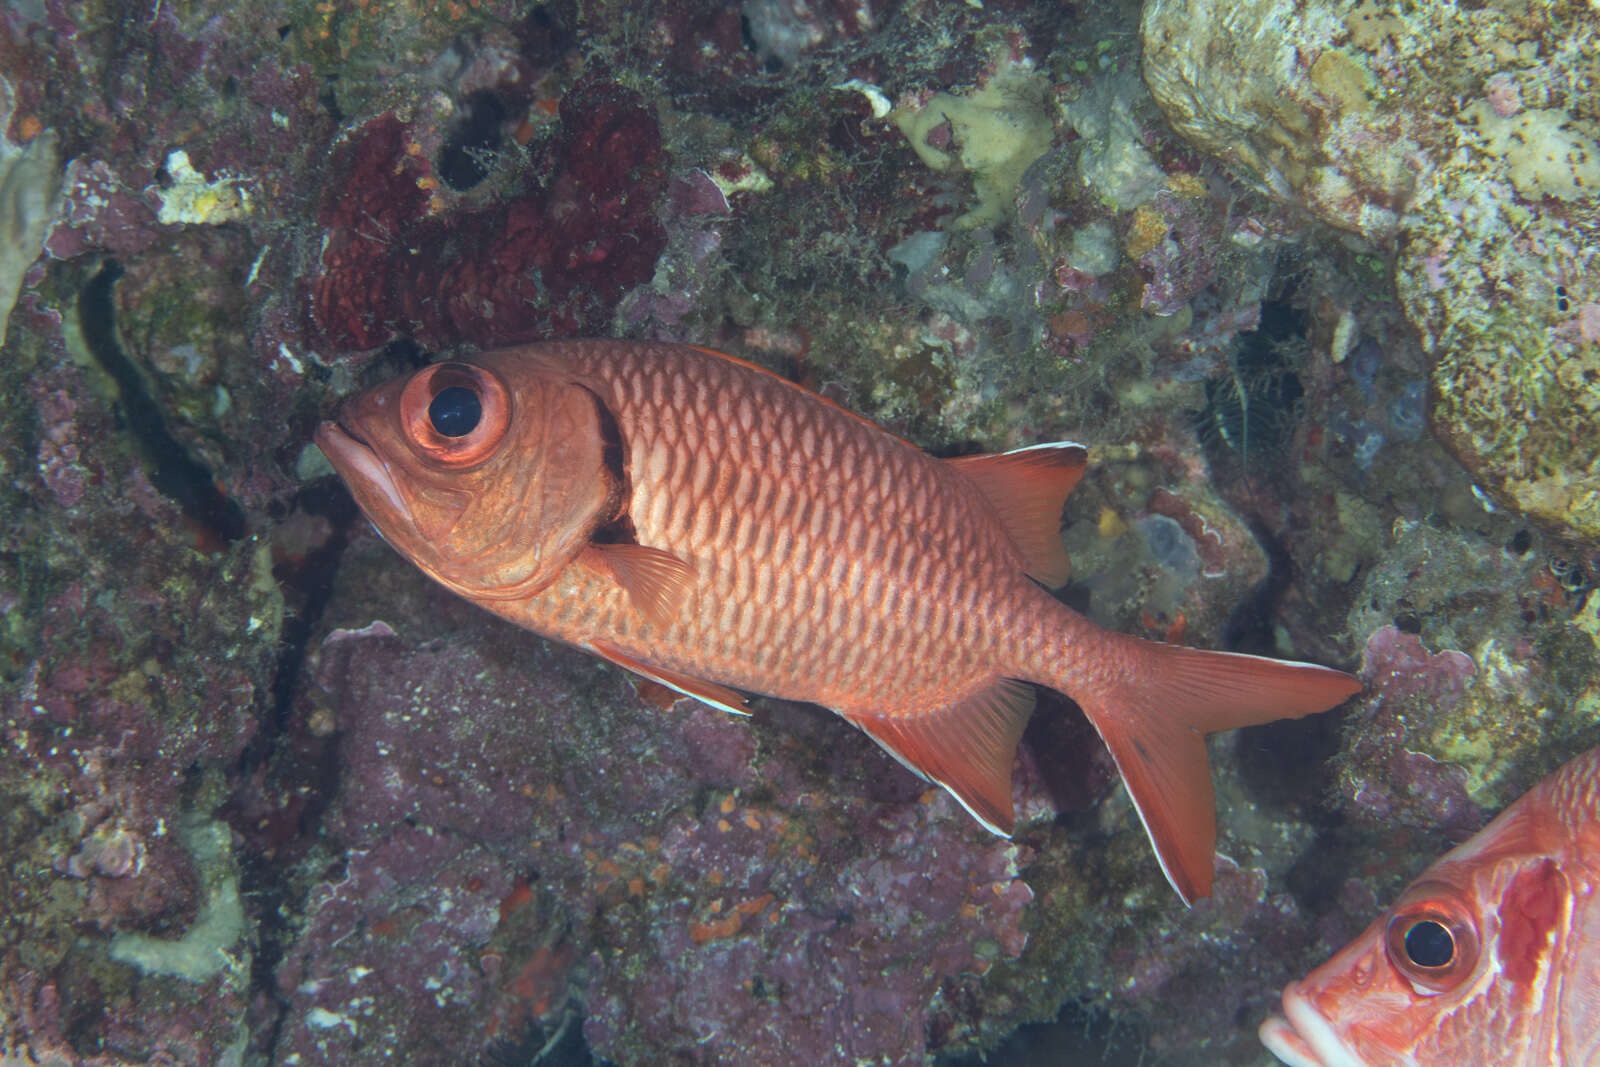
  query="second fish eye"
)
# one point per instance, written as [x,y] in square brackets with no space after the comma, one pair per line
[455,411]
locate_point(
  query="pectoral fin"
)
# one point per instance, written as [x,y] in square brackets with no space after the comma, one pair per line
[967,746]
[657,582]
[718,696]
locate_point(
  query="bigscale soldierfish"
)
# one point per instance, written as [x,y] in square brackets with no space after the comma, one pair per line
[1491,957]
[713,527]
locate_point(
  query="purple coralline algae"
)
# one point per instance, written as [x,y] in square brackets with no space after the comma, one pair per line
[718,895]
[1450,735]
[135,669]
[1400,786]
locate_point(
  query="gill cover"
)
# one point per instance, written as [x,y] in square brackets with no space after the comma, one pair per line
[497,472]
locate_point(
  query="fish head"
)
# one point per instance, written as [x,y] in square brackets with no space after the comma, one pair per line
[1479,961]
[490,475]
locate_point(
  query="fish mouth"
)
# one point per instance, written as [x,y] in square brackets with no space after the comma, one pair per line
[360,466]
[1302,1038]
[1285,1043]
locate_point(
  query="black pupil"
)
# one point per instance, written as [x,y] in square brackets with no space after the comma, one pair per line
[455,411]
[1429,945]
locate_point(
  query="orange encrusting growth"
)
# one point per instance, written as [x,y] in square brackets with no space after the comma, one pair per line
[763,539]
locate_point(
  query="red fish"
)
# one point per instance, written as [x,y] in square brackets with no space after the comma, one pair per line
[717,529]
[1491,957]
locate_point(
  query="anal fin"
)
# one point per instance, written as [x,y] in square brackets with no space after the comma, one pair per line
[967,746]
[654,693]
[718,696]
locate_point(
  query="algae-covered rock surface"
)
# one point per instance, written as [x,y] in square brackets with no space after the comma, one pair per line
[1313,286]
[1463,139]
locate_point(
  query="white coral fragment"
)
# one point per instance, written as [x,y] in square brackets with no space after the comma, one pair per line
[1547,155]
[30,186]
[192,199]
[204,951]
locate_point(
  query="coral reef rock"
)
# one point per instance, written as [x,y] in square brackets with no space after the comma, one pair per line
[1464,136]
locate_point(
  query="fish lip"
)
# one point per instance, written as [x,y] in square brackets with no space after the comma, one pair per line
[349,431]
[1285,1042]
[1301,1037]
[359,464]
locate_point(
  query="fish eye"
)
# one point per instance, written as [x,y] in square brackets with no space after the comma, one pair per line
[1432,938]
[1429,944]
[455,411]
[455,414]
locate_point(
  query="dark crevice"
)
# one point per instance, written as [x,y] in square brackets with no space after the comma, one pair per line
[560,1044]
[400,357]
[1249,627]
[545,36]
[470,147]
[1081,1033]
[1284,763]
[286,776]
[171,468]
[309,581]
[329,100]
[1253,402]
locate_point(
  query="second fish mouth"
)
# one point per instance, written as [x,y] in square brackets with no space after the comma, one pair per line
[338,441]
[1302,1037]
[1284,1042]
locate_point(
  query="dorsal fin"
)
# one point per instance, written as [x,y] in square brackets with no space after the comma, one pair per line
[656,581]
[967,746]
[1028,488]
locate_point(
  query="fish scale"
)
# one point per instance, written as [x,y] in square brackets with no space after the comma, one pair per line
[761,538]
[813,651]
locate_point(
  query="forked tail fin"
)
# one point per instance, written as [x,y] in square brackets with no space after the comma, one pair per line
[1154,717]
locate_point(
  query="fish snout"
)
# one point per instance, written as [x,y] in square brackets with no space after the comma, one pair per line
[368,477]
[1283,1042]
[1301,1037]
